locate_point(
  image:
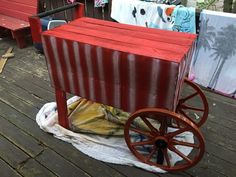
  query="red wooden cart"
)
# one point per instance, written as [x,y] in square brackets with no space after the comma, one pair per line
[136,69]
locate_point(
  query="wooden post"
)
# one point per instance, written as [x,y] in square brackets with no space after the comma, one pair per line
[228,5]
[36,28]
[234,7]
[62,108]
[79,12]
[184,2]
[20,36]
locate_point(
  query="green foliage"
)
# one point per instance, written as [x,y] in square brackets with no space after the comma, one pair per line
[205,4]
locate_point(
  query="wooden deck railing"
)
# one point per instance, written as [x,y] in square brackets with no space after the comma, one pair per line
[90,10]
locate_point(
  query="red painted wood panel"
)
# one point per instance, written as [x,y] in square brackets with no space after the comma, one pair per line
[109,66]
[141,34]
[164,50]
[18,9]
[121,46]
[27,2]
[12,23]
[15,14]
[120,79]
[132,38]
[142,29]
[125,39]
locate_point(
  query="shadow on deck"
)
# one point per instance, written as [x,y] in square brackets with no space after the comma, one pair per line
[25,150]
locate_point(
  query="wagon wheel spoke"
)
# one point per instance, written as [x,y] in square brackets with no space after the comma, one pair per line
[163,127]
[172,134]
[142,143]
[182,143]
[184,114]
[166,157]
[175,124]
[154,149]
[172,148]
[183,106]
[152,128]
[148,134]
[189,97]
[178,124]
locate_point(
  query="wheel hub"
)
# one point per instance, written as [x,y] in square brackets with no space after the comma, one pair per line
[161,143]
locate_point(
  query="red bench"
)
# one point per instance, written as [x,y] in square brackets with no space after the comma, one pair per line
[14,16]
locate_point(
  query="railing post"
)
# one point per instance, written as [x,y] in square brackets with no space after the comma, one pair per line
[234,7]
[228,5]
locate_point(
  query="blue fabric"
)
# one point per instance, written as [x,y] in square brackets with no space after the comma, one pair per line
[184,19]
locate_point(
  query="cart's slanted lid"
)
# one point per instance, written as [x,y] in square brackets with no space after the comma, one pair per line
[124,66]
[154,43]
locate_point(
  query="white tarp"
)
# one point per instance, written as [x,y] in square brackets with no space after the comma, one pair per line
[112,150]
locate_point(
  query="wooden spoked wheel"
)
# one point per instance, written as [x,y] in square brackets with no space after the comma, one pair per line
[193,105]
[153,142]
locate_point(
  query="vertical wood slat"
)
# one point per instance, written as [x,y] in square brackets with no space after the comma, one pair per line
[228,5]
[41,6]
[91,11]
[234,7]
[90,5]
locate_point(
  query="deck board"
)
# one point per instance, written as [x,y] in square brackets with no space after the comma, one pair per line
[11,153]
[19,138]
[7,171]
[25,150]
[32,168]
[59,165]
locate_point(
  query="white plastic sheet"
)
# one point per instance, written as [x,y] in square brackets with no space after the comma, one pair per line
[112,150]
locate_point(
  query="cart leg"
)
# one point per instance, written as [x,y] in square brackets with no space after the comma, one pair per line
[62,108]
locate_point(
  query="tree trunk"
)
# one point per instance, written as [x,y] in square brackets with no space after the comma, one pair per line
[234,7]
[195,56]
[215,80]
[228,5]
[233,94]
[210,85]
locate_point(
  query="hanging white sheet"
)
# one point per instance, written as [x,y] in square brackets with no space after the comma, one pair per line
[141,13]
[154,15]
[214,62]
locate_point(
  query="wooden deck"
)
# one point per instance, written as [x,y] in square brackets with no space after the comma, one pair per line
[25,150]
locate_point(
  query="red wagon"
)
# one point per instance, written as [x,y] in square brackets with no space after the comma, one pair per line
[136,69]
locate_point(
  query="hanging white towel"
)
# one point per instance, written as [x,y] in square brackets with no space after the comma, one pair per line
[146,14]
[214,63]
